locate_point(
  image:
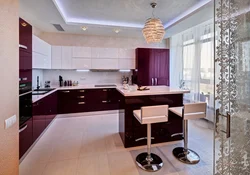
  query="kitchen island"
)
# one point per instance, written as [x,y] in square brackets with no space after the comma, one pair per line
[132,132]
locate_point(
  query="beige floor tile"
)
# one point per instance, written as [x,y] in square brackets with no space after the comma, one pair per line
[122,163]
[93,165]
[66,167]
[92,145]
[31,168]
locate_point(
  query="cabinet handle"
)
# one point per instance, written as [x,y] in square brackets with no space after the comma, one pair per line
[104,101]
[156,81]
[81,103]
[23,46]
[81,96]
[81,90]
[152,81]
[23,128]
[104,90]
[65,91]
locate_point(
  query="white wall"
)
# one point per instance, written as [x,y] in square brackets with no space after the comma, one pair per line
[9,57]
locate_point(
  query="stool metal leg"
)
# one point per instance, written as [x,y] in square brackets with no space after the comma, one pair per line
[186,155]
[149,161]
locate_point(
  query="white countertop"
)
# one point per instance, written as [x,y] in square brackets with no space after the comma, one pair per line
[154,90]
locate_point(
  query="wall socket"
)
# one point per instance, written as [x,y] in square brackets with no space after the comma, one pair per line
[10,121]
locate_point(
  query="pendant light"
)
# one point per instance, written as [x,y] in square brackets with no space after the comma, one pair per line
[153,30]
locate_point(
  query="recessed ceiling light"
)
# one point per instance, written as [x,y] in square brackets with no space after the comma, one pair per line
[84,28]
[24,24]
[117,30]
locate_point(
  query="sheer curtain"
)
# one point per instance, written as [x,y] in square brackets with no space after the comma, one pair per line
[192,61]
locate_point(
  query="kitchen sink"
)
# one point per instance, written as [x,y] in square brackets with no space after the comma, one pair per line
[42,91]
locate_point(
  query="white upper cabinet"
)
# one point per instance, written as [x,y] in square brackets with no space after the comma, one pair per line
[81,63]
[105,63]
[126,53]
[126,58]
[126,63]
[104,52]
[66,57]
[56,57]
[41,52]
[81,52]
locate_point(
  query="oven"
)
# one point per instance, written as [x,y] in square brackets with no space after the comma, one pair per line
[25,102]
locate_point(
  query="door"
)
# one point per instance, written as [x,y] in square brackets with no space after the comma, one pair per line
[232,78]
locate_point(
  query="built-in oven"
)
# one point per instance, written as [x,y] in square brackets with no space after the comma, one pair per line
[25,102]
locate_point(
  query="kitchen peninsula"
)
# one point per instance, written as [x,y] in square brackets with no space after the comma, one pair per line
[132,132]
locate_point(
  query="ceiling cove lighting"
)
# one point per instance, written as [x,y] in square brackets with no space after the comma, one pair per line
[82,70]
[153,30]
[186,13]
[75,21]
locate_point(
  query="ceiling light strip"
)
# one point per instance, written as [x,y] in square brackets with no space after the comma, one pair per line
[186,13]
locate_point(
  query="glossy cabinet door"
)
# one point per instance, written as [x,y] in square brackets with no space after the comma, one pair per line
[25,137]
[56,57]
[152,66]
[44,111]
[105,63]
[144,73]
[161,62]
[25,36]
[81,52]
[41,53]
[81,63]
[87,100]
[39,120]
[66,57]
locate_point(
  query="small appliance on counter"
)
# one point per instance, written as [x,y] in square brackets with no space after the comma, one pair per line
[47,84]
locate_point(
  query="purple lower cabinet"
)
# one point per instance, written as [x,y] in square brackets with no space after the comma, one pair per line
[132,132]
[25,137]
[39,125]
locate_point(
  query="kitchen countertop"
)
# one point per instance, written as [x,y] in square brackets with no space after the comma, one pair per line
[154,90]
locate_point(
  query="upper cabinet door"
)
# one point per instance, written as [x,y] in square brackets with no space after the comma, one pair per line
[105,63]
[66,57]
[56,57]
[104,52]
[126,53]
[161,62]
[25,35]
[110,53]
[81,52]
[126,63]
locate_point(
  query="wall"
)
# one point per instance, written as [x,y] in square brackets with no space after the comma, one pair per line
[9,67]
[84,77]
[88,41]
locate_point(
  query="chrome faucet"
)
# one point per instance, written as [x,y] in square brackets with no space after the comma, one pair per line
[37,86]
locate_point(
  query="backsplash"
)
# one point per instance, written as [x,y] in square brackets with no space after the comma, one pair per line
[82,77]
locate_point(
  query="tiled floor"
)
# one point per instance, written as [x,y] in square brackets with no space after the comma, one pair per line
[91,145]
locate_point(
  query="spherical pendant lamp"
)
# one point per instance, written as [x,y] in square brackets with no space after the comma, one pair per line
[153,30]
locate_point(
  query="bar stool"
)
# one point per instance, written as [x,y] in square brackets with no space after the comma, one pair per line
[188,112]
[148,115]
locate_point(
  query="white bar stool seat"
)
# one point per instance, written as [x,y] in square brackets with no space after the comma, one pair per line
[147,115]
[189,111]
